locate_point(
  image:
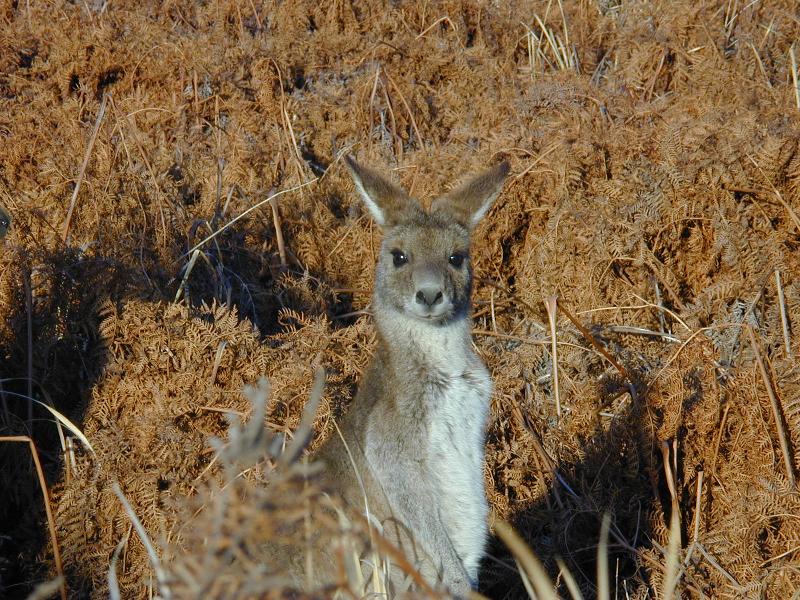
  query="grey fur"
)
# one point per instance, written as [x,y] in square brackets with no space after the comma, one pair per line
[415,431]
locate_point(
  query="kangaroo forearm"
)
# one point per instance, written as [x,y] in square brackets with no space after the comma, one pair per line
[435,541]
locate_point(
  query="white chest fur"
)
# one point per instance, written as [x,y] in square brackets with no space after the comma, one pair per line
[457,388]
[457,429]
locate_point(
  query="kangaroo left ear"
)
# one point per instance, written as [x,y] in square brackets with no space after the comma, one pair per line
[388,203]
[470,201]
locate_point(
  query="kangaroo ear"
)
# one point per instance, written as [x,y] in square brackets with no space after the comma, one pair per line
[470,201]
[387,202]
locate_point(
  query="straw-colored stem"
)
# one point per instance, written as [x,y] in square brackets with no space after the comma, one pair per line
[696,529]
[407,107]
[187,271]
[258,205]
[399,559]
[788,207]
[46,497]
[668,471]
[86,157]
[672,574]
[784,319]
[286,124]
[148,165]
[530,564]
[26,282]
[161,575]
[760,64]
[256,15]
[590,338]
[569,580]
[371,104]
[603,583]
[551,304]
[276,223]
[444,19]
[776,408]
[794,77]
[714,563]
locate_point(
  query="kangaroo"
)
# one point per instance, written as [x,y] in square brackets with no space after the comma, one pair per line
[412,443]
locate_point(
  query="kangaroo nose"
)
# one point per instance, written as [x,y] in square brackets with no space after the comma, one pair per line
[429,295]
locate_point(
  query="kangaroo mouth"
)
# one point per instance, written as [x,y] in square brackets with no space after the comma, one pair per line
[437,315]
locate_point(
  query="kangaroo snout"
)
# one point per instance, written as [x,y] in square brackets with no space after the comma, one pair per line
[429,296]
[428,285]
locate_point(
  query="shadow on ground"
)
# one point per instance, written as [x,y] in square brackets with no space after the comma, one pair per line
[52,353]
[618,475]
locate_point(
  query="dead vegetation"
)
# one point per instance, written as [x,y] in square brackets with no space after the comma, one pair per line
[655,192]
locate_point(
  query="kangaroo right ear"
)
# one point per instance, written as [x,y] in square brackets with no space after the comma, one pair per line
[387,202]
[469,202]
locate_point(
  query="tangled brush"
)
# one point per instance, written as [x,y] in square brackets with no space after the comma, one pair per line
[182,227]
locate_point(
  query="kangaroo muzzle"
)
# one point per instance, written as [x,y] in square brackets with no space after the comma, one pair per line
[430,296]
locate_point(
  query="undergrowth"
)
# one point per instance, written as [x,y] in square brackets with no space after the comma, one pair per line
[181,226]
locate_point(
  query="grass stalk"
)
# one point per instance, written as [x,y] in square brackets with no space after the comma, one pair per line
[673,554]
[26,282]
[407,107]
[276,223]
[778,196]
[776,408]
[720,569]
[161,575]
[444,19]
[793,59]
[243,214]
[113,579]
[784,319]
[187,271]
[569,580]
[51,523]
[551,304]
[696,528]
[46,590]
[86,157]
[533,568]
[760,64]
[590,338]
[603,583]
[372,103]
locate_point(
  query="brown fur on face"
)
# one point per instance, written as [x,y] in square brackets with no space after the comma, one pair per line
[428,242]
[424,270]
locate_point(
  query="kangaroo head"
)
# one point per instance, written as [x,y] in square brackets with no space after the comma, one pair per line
[424,271]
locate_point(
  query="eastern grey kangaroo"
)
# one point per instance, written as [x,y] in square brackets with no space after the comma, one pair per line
[412,445]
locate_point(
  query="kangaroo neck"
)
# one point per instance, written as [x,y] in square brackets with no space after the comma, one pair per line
[412,346]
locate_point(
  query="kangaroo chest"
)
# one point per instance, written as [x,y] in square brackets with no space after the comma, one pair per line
[441,392]
[459,407]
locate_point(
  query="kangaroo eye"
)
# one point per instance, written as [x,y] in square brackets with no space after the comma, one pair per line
[399,258]
[456,260]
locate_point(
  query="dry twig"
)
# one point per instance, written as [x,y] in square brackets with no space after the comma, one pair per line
[551,304]
[98,121]
[48,510]
[776,407]
[590,338]
[784,319]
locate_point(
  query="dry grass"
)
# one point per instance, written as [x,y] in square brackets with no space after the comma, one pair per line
[213,239]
